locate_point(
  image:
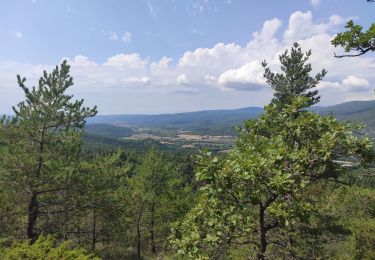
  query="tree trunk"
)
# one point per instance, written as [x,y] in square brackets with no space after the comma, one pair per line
[152,231]
[139,236]
[262,234]
[93,245]
[33,213]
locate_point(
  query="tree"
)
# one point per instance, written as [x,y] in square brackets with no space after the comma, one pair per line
[295,80]
[99,218]
[256,197]
[354,208]
[355,40]
[158,198]
[42,146]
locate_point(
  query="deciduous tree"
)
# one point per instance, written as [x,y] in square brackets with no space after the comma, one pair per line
[257,194]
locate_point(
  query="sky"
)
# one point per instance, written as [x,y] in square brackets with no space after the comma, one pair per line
[168,56]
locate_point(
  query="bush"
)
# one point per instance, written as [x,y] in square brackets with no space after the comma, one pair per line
[46,247]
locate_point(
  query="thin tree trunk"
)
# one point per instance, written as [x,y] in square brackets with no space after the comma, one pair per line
[33,213]
[139,236]
[262,234]
[153,246]
[94,240]
[33,210]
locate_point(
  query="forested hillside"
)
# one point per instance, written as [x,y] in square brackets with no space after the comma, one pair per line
[360,111]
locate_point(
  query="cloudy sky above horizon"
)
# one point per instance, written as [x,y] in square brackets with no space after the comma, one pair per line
[166,56]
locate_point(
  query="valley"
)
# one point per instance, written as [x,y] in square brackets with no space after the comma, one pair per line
[213,129]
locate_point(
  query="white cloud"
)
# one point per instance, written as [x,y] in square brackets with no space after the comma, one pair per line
[315,2]
[356,84]
[18,34]
[129,61]
[160,67]
[328,85]
[350,84]
[221,55]
[137,81]
[247,77]
[268,31]
[126,37]
[80,61]
[302,26]
[182,80]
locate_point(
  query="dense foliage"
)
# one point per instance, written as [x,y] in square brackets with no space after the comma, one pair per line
[354,39]
[261,198]
[296,185]
[44,248]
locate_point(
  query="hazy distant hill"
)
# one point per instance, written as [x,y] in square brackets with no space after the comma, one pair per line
[356,111]
[216,121]
[202,121]
[108,130]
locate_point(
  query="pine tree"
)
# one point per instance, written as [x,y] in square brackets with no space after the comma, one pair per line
[295,81]
[42,145]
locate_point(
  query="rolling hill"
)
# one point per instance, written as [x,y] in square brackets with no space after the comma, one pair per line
[209,122]
[220,121]
[193,130]
[355,111]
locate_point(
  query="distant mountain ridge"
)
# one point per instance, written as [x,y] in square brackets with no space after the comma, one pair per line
[357,111]
[195,121]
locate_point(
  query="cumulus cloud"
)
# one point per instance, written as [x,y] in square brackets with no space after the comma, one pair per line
[160,67]
[182,80]
[350,84]
[328,85]
[268,31]
[80,61]
[220,56]
[224,66]
[301,26]
[247,77]
[356,84]
[127,61]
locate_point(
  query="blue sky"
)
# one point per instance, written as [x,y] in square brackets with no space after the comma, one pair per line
[173,55]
